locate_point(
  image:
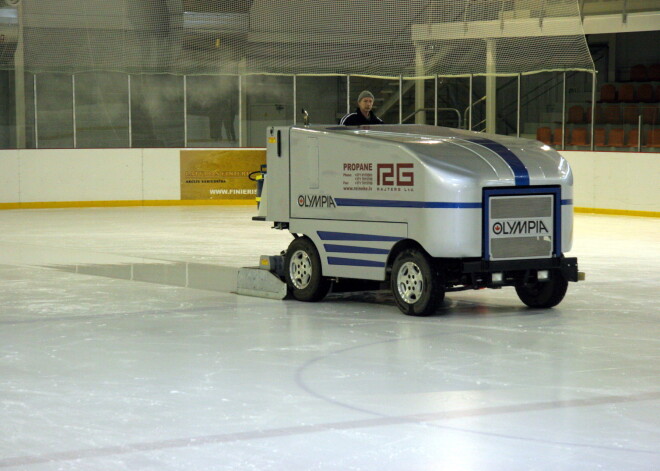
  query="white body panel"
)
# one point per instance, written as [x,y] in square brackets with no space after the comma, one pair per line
[427,183]
[349,249]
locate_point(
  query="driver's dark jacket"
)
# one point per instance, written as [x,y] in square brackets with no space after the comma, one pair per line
[356,118]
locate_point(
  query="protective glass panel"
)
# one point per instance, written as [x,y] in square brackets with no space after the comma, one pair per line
[54,111]
[157,111]
[102,110]
[212,111]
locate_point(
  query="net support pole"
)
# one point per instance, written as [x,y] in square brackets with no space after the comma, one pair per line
[593,107]
[435,105]
[130,113]
[73,110]
[639,133]
[348,94]
[491,88]
[420,92]
[470,104]
[518,108]
[295,103]
[400,99]
[185,111]
[19,83]
[563,113]
[242,115]
[36,116]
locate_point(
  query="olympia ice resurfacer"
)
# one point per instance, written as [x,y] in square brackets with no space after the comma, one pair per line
[426,209]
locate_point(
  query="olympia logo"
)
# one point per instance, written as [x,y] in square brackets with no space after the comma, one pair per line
[531,226]
[316,201]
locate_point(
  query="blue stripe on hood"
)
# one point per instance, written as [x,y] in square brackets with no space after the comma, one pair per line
[520,172]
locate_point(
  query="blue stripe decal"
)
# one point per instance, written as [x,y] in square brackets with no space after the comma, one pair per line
[353,249]
[355,263]
[325,235]
[404,204]
[520,172]
[566,202]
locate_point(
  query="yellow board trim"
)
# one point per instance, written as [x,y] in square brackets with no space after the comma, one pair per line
[619,212]
[117,204]
[242,202]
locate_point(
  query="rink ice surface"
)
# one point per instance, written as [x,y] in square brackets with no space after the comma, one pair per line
[121,348]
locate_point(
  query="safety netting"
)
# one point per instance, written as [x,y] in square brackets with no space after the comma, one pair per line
[381,38]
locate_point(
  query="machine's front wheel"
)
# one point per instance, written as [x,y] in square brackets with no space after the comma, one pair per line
[543,294]
[303,271]
[416,283]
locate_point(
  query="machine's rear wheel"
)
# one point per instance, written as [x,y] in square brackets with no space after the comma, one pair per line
[303,271]
[543,294]
[416,283]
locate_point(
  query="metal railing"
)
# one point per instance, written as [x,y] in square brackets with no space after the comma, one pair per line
[414,113]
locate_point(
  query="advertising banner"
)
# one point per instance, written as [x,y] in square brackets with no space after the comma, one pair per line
[220,174]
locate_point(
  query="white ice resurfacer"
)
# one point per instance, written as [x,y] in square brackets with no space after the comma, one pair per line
[427,209]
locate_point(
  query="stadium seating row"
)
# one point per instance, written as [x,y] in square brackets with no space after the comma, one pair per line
[602,138]
[642,73]
[628,93]
[614,114]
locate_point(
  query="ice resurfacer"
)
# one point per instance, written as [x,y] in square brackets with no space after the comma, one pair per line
[427,209]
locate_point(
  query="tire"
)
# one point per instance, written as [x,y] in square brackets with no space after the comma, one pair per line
[416,283]
[543,294]
[302,270]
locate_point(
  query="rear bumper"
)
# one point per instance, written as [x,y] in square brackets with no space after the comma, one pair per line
[512,270]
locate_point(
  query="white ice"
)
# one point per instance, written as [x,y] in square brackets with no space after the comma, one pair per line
[121,348]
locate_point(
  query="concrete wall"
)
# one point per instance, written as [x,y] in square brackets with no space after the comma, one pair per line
[603,180]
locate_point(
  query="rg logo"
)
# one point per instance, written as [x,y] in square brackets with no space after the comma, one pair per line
[395,175]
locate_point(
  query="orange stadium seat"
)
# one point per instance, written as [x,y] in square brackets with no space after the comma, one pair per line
[650,115]
[639,73]
[612,114]
[645,93]
[608,93]
[544,135]
[599,137]
[654,73]
[633,138]
[627,93]
[630,114]
[615,137]
[579,137]
[653,138]
[600,119]
[576,114]
[557,137]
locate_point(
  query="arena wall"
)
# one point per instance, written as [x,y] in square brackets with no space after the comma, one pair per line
[605,182]
[616,182]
